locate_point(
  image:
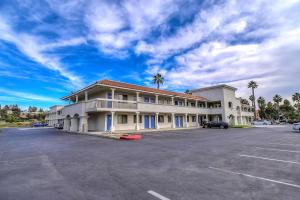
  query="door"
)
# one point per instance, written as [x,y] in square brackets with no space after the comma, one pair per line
[108,123]
[146,119]
[181,121]
[177,121]
[109,103]
[152,121]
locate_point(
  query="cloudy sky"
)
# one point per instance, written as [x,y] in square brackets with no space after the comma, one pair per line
[49,48]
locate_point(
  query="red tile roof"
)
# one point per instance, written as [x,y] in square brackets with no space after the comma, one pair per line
[147,89]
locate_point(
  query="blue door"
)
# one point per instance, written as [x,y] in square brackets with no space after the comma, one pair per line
[177,121]
[146,119]
[108,123]
[109,103]
[152,121]
[181,121]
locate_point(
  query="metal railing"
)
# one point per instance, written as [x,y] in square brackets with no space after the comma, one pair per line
[109,103]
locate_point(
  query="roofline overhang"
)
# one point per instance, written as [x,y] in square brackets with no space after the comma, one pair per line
[117,87]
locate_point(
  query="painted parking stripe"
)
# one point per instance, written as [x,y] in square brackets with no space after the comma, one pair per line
[25,129]
[284,144]
[157,195]
[271,159]
[273,149]
[256,177]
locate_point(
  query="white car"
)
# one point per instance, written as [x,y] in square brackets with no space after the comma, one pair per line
[296,126]
[261,122]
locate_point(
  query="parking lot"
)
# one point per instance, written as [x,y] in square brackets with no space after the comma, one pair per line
[254,163]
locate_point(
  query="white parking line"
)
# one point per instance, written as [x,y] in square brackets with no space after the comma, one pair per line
[284,144]
[273,149]
[272,159]
[256,177]
[159,196]
[25,129]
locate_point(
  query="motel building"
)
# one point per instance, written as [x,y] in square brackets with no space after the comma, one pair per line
[111,106]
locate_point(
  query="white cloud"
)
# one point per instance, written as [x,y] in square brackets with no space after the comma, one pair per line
[27,96]
[32,46]
[233,43]
[115,27]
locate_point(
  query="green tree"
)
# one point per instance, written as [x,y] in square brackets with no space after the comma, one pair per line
[296,100]
[277,100]
[270,111]
[188,91]
[262,107]
[158,79]
[287,110]
[253,85]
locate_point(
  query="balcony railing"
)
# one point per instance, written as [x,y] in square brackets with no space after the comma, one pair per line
[109,103]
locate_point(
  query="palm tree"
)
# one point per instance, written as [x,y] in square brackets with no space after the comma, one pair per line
[296,99]
[277,99]
[262,107]
[253,85]
[158,79]
[188,91]
[261,101]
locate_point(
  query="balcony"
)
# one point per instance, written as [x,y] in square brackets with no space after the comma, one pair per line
[109,104]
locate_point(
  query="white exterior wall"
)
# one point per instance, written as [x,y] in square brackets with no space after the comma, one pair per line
[94,118]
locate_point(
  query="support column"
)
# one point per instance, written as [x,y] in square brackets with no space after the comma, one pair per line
[83,124]
[156,121]
[196,104]
[73,124]
[197,119]
[76,98]
[66,125]
[112,122]
[156,99]
[173,120]
[173,101]
[137,127]
[86,97]
[137,97]
[112,96]
[185,102]
[206,118]
[206,104]
[186,122]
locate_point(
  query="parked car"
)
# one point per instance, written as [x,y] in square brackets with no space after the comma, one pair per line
[39,124]
[219,124]
[261,122]
[296,126]
[59,126]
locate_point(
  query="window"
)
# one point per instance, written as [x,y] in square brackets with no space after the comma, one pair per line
[193,104]
[134,118]
[125,97]
[146,99]
[161,119]
[122,119]
[169,118]
[176,103]
[152,100]
[193,118]
[230,104]
[188,119]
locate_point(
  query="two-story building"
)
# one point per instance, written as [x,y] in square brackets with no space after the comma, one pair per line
[54,115]
[115,106]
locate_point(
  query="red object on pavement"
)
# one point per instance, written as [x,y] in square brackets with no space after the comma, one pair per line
[131,137]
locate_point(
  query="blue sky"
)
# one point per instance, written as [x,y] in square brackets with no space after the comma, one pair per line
[50,48]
